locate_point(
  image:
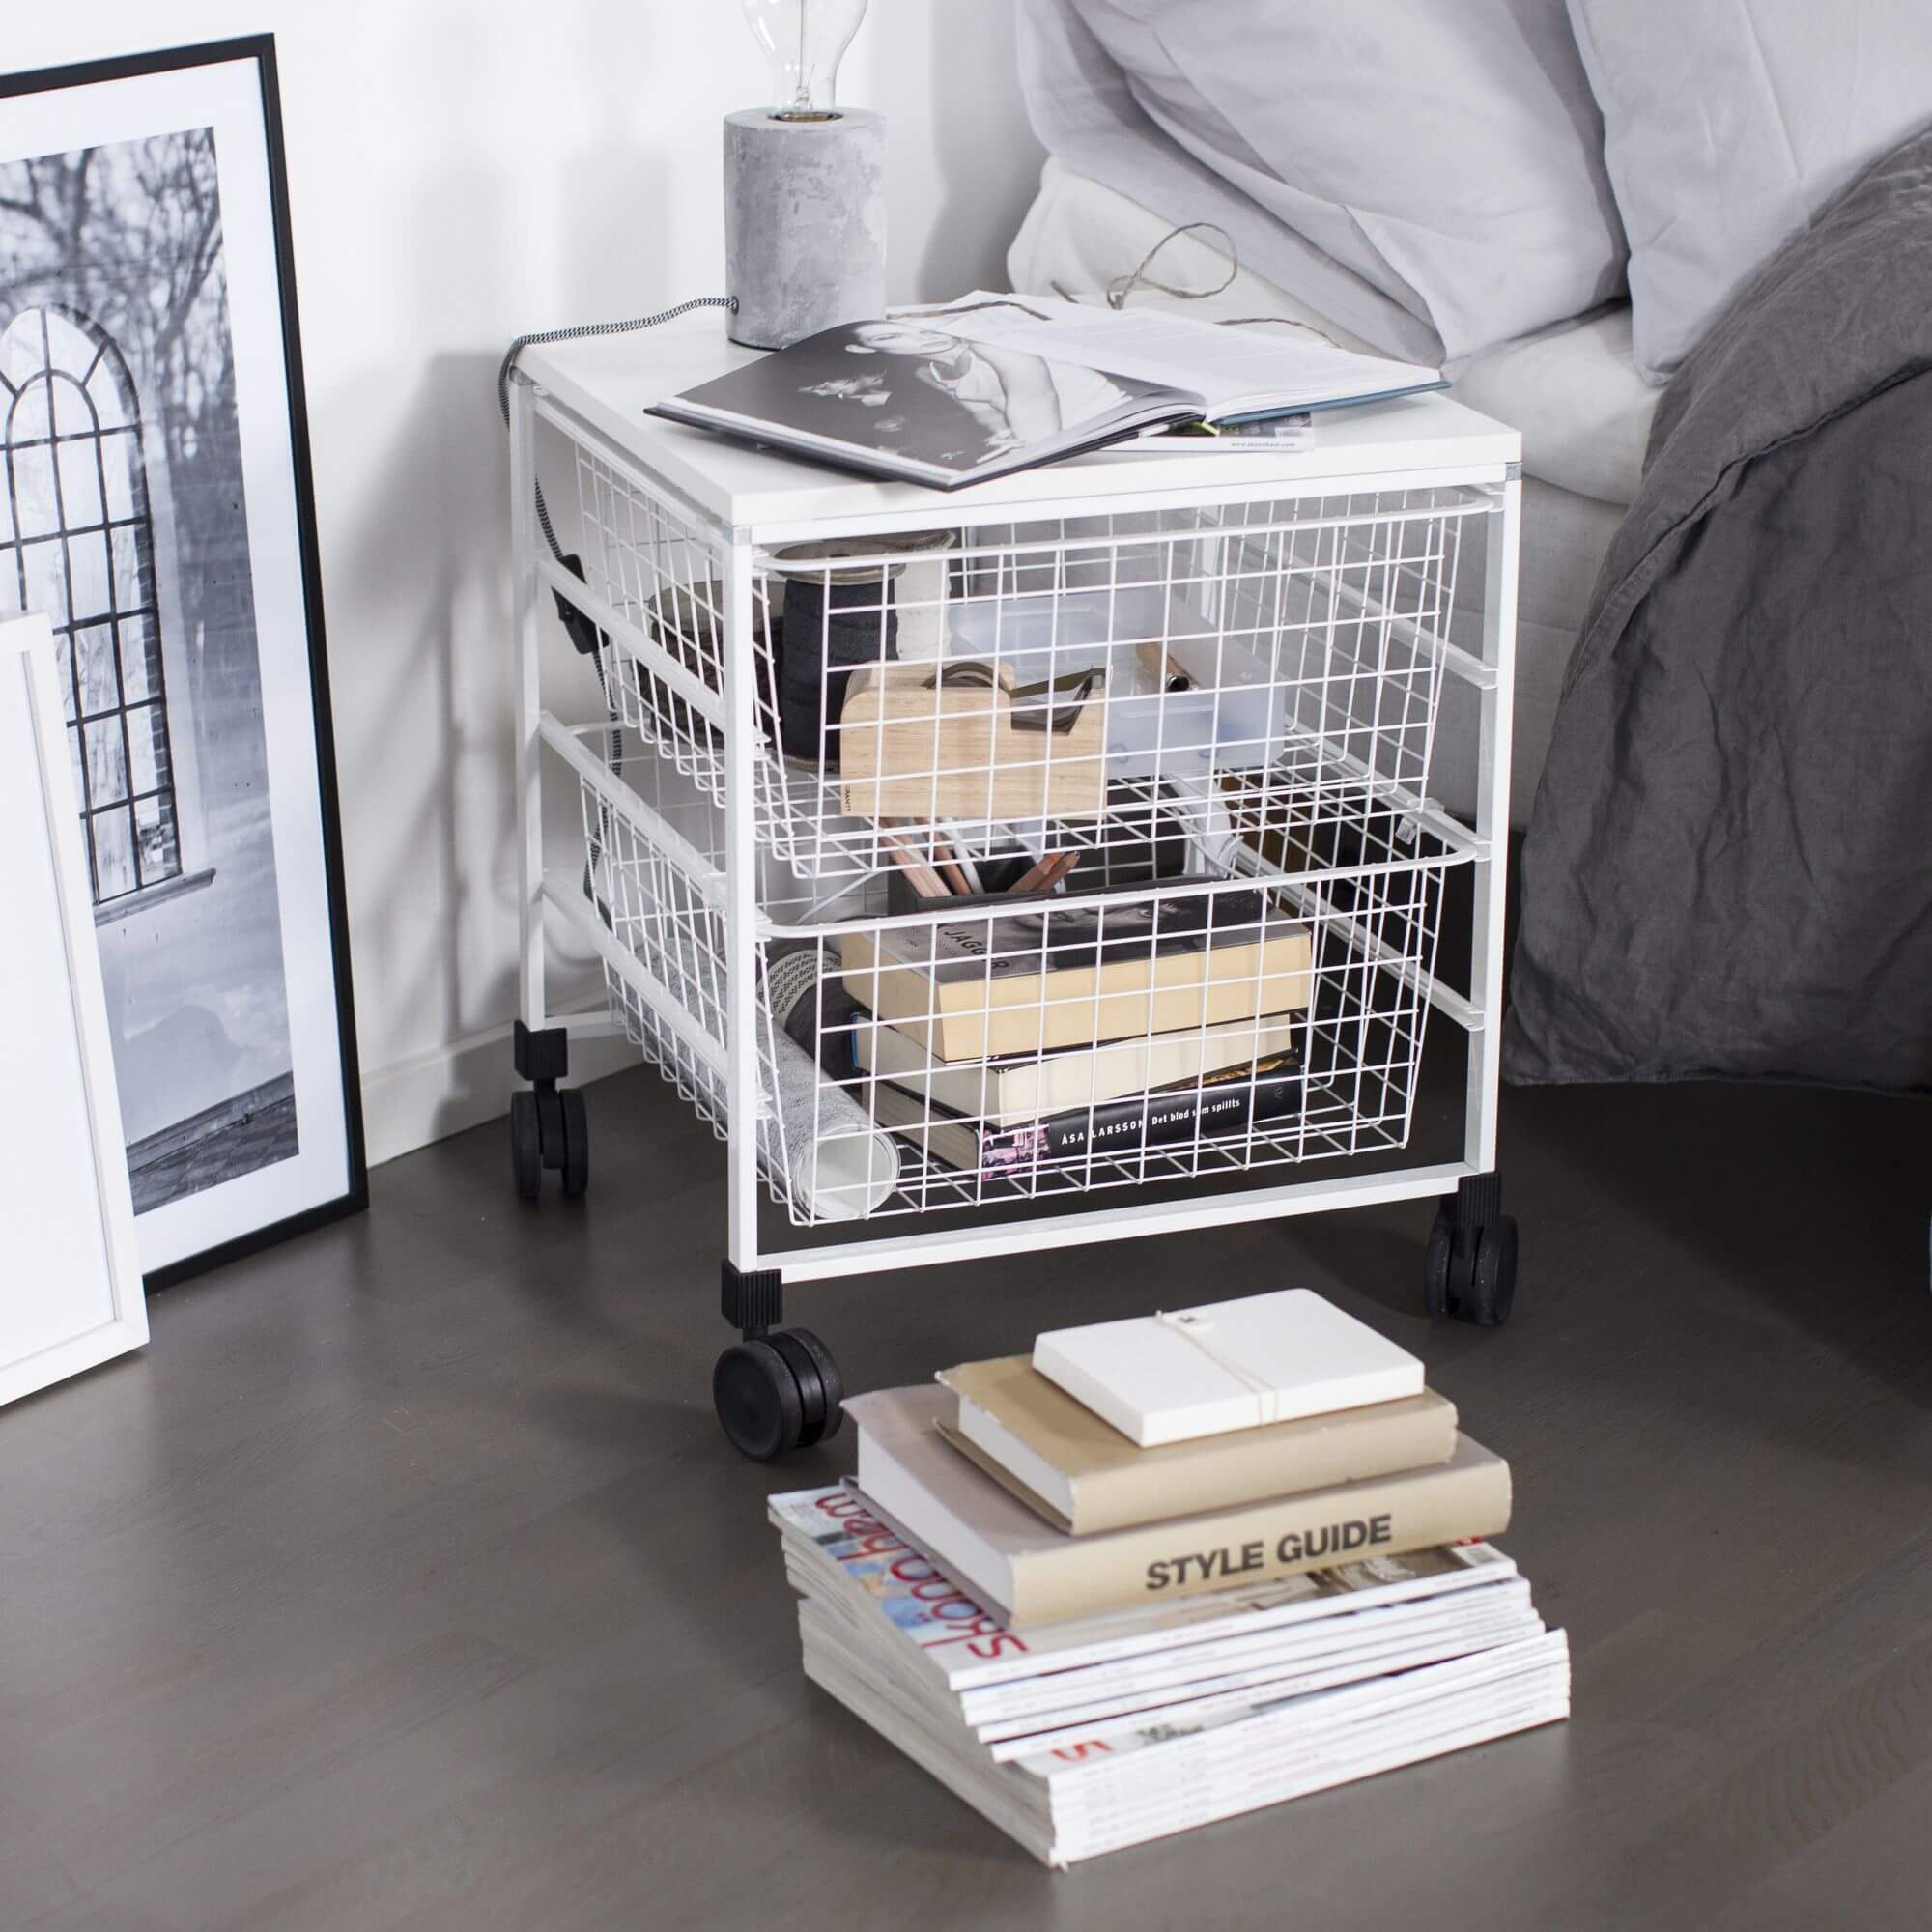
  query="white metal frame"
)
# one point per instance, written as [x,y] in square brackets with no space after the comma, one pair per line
[1435,464]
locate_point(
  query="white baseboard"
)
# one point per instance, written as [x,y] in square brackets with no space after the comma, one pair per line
[431,1095]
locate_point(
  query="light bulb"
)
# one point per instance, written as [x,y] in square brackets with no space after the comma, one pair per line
[804,41]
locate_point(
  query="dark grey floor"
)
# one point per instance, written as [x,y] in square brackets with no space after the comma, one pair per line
[407,1581]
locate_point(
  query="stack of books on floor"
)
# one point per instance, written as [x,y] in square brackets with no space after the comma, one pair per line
[1168,1570]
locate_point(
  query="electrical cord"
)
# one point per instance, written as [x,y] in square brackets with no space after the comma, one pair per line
[1115,294]
[535,339]
[539,338]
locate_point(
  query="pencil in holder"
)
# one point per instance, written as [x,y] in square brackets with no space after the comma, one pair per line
[997,876]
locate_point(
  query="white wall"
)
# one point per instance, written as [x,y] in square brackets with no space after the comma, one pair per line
[457,174]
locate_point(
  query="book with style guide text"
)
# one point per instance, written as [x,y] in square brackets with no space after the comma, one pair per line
[1033,1573]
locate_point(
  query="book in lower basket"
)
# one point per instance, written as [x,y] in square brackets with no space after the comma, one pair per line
[1082,1737]
[1018,1089]
[1233,1102]
[1074,974]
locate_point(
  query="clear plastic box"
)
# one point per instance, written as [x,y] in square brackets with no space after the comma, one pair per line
[1185,696]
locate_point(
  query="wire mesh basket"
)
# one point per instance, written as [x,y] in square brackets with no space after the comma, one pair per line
[1077,682]
[1196,1001]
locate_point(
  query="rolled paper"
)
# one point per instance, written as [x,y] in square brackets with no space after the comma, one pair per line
[839,1157]
[838,1160]
[922,591]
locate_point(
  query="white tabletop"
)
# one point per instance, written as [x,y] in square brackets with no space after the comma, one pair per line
[607,381]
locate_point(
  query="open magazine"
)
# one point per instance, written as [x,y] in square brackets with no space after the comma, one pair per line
[998,383]
[1243,373]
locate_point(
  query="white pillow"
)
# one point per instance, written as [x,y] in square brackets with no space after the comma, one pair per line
[1727,124]
[1438,158]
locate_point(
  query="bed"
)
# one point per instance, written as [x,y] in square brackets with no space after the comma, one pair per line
[1695,280]
[1572,391]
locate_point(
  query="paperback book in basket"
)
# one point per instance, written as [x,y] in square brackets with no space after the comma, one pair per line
[1073,975]
[1236,1101]
[1018,1088]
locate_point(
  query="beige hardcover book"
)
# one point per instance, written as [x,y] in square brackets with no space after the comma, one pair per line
[1082,1475]
[1001,1552]
[967,997]
[1011,1092]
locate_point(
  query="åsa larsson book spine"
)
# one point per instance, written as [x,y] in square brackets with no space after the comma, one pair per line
[1228,1103]
[1231,1101]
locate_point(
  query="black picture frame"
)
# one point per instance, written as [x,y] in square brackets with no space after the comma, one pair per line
[352,1195]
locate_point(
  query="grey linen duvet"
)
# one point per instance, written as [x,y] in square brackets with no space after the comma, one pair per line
[1728,867]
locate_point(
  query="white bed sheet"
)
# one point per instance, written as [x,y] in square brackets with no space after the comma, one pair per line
[1573,391]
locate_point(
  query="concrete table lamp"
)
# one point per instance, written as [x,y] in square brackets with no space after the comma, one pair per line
[805,201]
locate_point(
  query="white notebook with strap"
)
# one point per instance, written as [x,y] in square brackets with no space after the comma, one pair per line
[1173,1377]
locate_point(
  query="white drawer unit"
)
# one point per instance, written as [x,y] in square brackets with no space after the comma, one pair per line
[1049,861]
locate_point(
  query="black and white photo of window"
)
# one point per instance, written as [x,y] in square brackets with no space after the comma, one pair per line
[155,506]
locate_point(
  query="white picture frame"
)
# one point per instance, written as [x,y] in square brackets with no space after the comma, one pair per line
[155,504]
[69,1255]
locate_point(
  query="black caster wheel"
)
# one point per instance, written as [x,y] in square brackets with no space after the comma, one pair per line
[1437,1264]
[525,1146]
[1468,1272]
[550,1127]
[576,1125]
[812,1364]
[1493,1279]
[777,1392]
